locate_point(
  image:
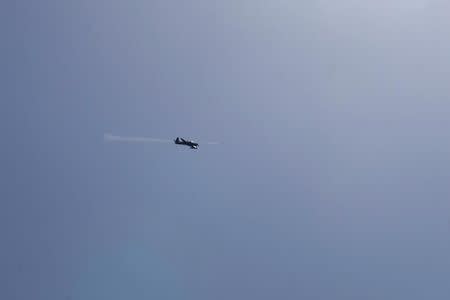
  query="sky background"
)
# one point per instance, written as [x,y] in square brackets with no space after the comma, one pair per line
[331,182]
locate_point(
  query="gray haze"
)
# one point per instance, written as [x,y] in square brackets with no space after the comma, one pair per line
[331,182]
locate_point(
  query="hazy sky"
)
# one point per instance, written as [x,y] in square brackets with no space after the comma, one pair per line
[331,182]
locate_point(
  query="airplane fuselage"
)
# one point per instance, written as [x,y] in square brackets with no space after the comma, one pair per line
[181,141]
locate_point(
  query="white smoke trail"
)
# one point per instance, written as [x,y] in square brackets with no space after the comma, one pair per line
[108,137]
[132,139]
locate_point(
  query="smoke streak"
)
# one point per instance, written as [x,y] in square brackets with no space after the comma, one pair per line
[108,137]
[132,139]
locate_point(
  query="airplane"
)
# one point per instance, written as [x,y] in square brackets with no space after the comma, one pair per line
[181,141]
[108,137]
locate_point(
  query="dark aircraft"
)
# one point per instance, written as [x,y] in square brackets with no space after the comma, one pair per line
[181,141]
[140,139]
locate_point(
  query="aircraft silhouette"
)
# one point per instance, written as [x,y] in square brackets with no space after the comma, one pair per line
[181,141]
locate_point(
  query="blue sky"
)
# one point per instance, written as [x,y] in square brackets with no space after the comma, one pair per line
[331,181]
